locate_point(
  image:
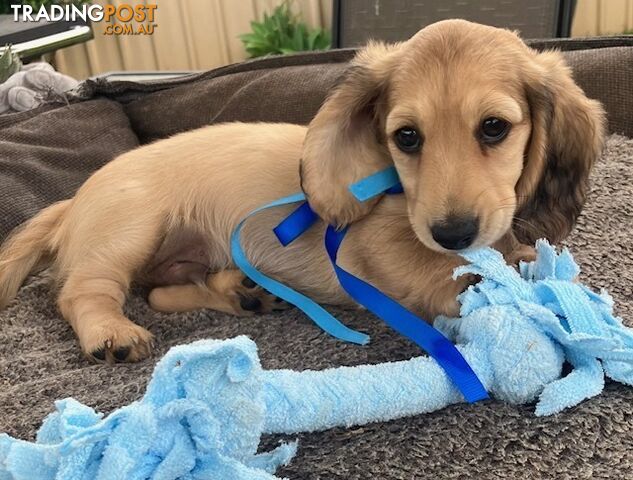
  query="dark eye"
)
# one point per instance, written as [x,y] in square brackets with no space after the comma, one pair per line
[493,130]
[408,139]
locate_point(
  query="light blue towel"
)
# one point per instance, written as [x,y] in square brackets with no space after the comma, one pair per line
[209,402]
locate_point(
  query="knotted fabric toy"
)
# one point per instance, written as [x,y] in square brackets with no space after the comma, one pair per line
[208,403]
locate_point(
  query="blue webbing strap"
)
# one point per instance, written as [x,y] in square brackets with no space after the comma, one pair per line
[293,226]
[312,309]
[406,323]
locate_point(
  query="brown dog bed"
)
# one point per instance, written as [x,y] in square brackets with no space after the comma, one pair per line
[46,154]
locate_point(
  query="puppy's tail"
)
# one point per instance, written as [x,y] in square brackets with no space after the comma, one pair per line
[28,247]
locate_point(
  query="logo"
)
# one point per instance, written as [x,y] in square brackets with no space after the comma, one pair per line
[119,18]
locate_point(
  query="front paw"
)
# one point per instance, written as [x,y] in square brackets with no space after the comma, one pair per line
[525,253]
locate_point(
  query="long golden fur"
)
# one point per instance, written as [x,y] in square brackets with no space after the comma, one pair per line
[163,214]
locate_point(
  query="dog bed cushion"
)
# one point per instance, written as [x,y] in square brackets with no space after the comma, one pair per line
[47,153]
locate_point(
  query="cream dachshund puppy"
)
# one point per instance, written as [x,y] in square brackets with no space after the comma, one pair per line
[492,140]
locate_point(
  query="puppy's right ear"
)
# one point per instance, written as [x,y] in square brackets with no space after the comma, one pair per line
[345,140]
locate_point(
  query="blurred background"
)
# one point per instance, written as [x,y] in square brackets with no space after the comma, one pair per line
[195,35]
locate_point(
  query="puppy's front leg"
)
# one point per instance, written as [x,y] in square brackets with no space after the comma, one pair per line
[525,253]
[514,251]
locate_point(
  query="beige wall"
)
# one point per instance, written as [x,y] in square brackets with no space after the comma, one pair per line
[203,34]
[602,17]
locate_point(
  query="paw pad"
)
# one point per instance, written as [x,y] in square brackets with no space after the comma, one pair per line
[121,354]
[252,304]
[99,354]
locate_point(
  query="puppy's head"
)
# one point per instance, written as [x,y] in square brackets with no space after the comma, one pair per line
[487,136]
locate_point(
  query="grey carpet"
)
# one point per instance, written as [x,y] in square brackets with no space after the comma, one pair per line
[40,362]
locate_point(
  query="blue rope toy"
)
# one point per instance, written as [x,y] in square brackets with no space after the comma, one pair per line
[209,402]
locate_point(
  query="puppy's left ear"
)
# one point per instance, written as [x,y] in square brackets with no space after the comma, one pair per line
[344,140]
[567,137]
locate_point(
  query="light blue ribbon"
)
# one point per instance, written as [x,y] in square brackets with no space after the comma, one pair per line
[373,185]
[318,314]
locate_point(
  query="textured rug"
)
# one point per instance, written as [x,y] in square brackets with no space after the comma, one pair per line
[40,362]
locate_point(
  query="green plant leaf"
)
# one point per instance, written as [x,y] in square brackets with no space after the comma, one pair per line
[299,38]
[258,28]
[9,64]
[312,38]
[249,37]
[322,41]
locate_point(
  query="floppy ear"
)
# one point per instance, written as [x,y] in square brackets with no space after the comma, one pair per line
[567,137]
[344,141]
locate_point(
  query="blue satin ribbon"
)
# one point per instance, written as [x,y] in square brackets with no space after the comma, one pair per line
[293,226]
[318,314]
[394,314]
[406,323]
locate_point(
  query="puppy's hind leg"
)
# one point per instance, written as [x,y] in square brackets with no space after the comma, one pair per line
[227,291]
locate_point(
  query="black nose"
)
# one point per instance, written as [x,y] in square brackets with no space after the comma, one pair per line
[455,233]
